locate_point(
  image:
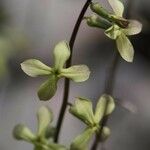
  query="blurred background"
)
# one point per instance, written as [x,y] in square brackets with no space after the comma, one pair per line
[30,29]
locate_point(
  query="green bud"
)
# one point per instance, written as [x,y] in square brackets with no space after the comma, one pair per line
[98,9]
[105,134]
[21,132]
[95,21]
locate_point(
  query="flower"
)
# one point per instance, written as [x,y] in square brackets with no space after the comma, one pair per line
[120,27]
[40,140]
[34,68]
[83,110]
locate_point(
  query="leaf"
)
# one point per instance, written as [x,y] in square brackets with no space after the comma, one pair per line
[61,54]
[48,88]
[34,68]
[117,7]
[44,116]
[125,47]
[21,132]
[82,109]
[81,141]
[113,32]
[100,110]
[133,28]
[77,73]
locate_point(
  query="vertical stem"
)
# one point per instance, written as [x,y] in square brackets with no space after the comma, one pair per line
[68,64]
[109,84]
[110,81]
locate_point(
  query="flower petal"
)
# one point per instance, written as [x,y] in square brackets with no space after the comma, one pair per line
[101,107]
[61,54]
[133,28]
[117,7]
[82,109]
[34,68]
[21,132]
[48,88]
[44,116]
[125,48]
[113,32]
[81,141]
[77,73]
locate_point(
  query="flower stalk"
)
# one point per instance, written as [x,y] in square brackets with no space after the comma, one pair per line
[68,64]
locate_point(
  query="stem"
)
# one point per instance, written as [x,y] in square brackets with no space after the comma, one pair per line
[108,90]
[110,82]
[68,64]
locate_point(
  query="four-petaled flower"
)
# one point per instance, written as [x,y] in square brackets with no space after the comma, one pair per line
[83,110]
[40,140]
[34,68]
[116,27]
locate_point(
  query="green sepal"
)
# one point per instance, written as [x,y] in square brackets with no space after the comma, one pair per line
[103,102]
[48,88]
[61,54]
[44,116]
[82,140]
[21,132]
[50,132]
[77,73]
[82,109]
[34,68]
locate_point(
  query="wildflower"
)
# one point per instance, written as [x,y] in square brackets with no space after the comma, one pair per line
[34,68]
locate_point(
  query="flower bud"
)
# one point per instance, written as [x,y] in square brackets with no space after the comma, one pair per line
[95,21]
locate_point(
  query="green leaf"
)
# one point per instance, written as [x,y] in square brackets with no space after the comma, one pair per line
[82,109]
[44,116]
[105,134]
[21,132]
[113,32]
[61,54]
[34,68]
[100,111]
[48,88]
[117,7]
[133,28]
[77,73]
[81,141]
[125,47]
